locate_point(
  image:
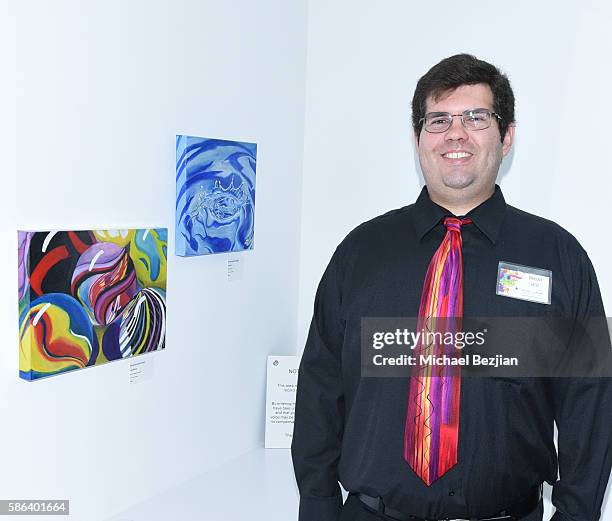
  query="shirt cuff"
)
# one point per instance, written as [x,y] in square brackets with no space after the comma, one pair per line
[320,508]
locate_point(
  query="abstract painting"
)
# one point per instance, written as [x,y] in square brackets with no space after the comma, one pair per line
[215,195]
[89,297]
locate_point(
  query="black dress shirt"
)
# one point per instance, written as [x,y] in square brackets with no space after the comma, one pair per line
[350,429]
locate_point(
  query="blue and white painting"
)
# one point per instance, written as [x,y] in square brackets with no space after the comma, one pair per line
[215,195]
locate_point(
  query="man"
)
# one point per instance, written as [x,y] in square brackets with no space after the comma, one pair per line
[424,447]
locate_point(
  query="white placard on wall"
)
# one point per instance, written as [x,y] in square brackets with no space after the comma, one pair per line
[280,400]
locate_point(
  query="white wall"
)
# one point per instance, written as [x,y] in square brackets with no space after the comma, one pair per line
[364,59]
[89,113]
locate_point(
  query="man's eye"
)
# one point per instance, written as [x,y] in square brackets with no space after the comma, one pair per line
[476,117]
[440,121]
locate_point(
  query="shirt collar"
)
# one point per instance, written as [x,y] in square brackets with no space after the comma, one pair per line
[487,216]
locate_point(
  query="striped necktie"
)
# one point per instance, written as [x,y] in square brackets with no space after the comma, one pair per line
[432,419]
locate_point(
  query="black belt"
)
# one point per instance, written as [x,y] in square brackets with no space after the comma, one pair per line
[516,511]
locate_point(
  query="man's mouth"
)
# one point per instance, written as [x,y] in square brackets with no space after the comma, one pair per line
[457,156]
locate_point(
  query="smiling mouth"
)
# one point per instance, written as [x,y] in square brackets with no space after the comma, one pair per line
[457,157]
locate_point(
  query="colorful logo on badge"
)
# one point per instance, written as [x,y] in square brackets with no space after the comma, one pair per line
[507,280]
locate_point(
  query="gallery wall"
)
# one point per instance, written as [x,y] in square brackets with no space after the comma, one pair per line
[96,93]
[364,60]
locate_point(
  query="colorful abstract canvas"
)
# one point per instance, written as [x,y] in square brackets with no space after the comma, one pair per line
[89,297]
[215,195]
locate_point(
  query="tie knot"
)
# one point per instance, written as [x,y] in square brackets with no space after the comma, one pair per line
[454,223]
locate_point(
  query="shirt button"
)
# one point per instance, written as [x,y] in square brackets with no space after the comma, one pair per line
[451,493]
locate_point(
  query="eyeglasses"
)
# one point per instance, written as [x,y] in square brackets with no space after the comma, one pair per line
[472,119]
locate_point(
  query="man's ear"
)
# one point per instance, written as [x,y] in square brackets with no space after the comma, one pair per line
[508,139]
[415,138]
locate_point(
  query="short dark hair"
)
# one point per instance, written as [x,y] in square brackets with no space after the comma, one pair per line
[458,70]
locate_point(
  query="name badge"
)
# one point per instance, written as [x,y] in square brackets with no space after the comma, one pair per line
[524,282]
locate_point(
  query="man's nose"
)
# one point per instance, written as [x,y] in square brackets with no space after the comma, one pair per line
[456,131]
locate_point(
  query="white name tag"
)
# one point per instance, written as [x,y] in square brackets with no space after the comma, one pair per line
[524,282]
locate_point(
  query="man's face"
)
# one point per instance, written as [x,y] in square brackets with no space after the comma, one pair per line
[475,174]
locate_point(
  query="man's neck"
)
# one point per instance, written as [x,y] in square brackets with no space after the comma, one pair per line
[460,205]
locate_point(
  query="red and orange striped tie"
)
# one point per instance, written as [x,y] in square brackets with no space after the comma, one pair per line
[432,419]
